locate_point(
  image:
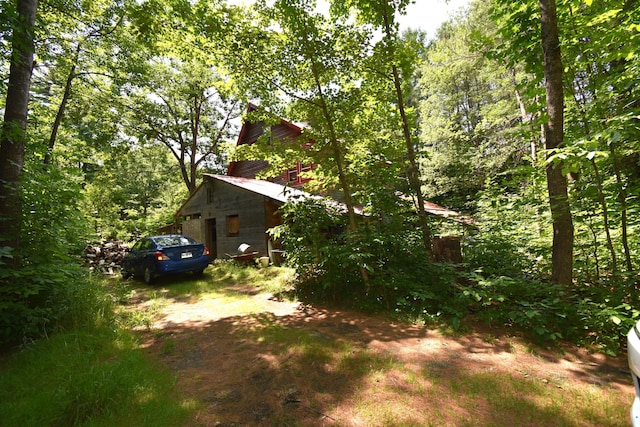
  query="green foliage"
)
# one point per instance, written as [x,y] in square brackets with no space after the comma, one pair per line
[587,315]
[188,107]
[92,378]
[327,261]
[49,290]
[605,319]
[135,192]
[511,237]
[468,112]
[317,248]
[539,309]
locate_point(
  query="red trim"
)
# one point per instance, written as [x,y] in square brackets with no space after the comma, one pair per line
[285,176]
[299,180]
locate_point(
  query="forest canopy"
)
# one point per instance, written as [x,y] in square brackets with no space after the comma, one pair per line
[523,115]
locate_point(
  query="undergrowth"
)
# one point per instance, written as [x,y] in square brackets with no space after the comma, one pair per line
[504,280]
[90,378]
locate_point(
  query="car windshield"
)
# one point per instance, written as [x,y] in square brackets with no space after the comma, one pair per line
[166,241]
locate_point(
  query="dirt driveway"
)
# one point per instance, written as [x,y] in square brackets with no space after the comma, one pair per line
[282,363]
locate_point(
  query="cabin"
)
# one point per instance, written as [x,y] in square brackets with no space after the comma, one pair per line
[229,211]
[226,212]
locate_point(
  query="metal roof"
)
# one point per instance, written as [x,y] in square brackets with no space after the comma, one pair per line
[279,192]
[269,189]
[438,210]
[284,194]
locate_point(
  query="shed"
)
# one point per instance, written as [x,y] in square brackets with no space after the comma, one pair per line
[226,211]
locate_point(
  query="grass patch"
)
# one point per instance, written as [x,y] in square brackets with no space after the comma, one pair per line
[287,370]
[222,278]
[226,283]
[96,378]
[221,275]
[507,399]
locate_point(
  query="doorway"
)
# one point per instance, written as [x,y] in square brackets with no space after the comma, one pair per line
[211,240]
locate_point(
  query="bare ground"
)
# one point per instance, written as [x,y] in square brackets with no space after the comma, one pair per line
[244,373]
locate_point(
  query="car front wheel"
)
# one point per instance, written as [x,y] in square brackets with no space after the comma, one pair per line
[148,275]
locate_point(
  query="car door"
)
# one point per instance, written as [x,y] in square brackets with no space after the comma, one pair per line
[147,255]
[139,255]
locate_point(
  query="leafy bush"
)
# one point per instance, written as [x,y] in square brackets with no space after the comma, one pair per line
[587,315]
[328,260]
[50,290]
[38,299]
[605,313]
[542,310]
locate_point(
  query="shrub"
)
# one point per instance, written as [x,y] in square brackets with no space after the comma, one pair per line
[328,260]
[49,290]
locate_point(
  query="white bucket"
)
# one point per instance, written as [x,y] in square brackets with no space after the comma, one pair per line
[263,262]
[244,248]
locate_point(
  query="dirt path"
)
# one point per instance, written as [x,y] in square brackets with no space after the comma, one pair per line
[276,365]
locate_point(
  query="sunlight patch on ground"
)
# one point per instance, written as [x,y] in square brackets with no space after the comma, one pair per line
[202,313]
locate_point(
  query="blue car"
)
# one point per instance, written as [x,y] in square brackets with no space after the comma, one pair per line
[155,256]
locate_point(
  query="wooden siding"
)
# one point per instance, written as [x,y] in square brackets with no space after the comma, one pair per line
[248,168]
[285,133]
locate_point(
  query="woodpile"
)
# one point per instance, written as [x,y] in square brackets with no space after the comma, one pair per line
[105,256]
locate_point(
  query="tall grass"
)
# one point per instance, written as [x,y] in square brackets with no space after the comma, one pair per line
[95,378]
[88,371]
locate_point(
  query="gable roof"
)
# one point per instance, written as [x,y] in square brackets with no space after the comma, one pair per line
[250,131]
[275,191]
[284,194]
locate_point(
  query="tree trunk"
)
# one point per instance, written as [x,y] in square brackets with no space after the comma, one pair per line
[61,109]
[342,173]
[562,251]
[605,216]
[14,125]
[622,199]
[413,172]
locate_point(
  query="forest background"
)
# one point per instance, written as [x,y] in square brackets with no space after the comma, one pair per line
[130,102]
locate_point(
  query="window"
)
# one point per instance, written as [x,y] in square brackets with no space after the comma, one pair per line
[294,174]
[168,241]
[233,225]
[210,193]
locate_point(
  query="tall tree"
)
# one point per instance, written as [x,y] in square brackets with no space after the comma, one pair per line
[469,112]
[312,64]
[189,108]
[82,46]
[395,65]
[599,44]
[562,252]
[13,131]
